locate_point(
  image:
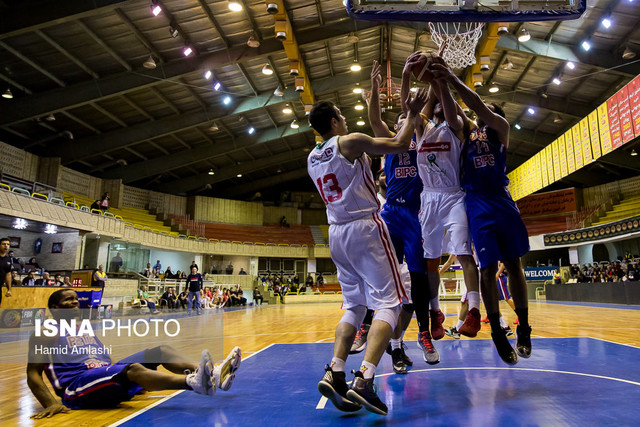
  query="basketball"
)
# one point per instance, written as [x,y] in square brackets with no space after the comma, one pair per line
[421,70]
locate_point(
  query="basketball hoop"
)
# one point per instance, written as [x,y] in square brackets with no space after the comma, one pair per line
[461,39]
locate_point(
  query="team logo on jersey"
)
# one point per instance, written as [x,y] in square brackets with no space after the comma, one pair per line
[413,145]
[431,147]
[433,166]
[322,157]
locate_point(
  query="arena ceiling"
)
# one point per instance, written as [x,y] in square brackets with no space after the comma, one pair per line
[81,92]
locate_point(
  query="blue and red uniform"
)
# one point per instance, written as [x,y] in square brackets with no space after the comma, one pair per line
[400,212]
[497,229]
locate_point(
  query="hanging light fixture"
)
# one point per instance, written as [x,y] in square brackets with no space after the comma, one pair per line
[628,53]
[7,94]
[359,106]
[494,89]
[355,67]
[523,35]
[278,92]
[287,109]
[267,70]
[507,65]
[253,42]
[295,124]
[213,127]
[150,63]
[360,122]
[235,6]
[633,152]
[557,119]
[211,172]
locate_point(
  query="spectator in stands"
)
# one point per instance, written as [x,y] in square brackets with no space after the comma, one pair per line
[557,279]
[241,299]
[214,269]
[233,297]
[104,202]
[320,280]
[66,282]
[581,278]
[168,274]
[178,275]
[157,266]
[168,299]
[116,263]
[229,269]
[296,280]
[33,265]
[13,259]
[193,264]
[181,302]
[147,271]
[99,277]
[632,272]
[242,272]
[194,283]
[30,280]
[257,296]
[303,288]
[46,280]
[95,205]
[284,222]
[58,280]
[143,295]
[309,281]
[14,278]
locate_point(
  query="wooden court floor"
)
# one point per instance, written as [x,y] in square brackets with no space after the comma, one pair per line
[255,328]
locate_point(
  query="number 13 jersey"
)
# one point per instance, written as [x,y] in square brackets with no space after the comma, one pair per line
[346,188]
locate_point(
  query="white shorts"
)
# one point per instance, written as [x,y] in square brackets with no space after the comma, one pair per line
[368,271]
[445,228]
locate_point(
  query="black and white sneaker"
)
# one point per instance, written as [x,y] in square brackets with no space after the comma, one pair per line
[405,357]
[505,351]
[523,341]
[399,367]
[334,387]
[452,332]
[508,331]
[360,342]
[364,392]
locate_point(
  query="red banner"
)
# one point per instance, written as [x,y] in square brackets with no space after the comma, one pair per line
[634,100]
[614,122]
[624,111]
[551,203]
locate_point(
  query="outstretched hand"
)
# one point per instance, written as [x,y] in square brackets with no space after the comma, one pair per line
[418,102]
[50,411]
[376,76]
[412,60]
[441,71]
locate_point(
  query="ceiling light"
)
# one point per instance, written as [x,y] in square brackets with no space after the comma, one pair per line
[360,122]
[251,130]
[606,22]
[355,67]
[50,118]
[155,8]
[213,128]
[239,175]
[287,109]
[503,30]
[216,86]
[50,229]
[414,89]
[279,171]
[494,89]
[628,53]
[359,106]
[235,6]
[544,93]
[531,110]
[226,100]
[150,63]
[507,65]
[253,42]
[633,152]
[267,70]
[477,83]
[211,172]
[357,90]
[586,45]
[556,81]
[557,119]
[7,94]
[187,51]
[570,65]
[352,38]
[523,35]
[278,92]
[173,31]
[295,124]
[517,126]
[208,74]
[20,224]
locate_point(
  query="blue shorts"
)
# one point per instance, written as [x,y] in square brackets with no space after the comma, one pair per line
[104,387]
[503,289]
[497,230]
[406,235]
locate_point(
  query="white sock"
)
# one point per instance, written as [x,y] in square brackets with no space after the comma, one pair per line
[503,323]
[459,324]
[396,343]
[368,370]
[337,365]
[474,299]
[435,303]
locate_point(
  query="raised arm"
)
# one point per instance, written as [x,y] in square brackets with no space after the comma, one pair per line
[353,145]
[448,263]
[473,101]
[448,105]
[406,79]
[379,127]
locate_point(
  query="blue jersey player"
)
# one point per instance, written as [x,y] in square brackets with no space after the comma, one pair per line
[497,229]
[400,213]
[83,376]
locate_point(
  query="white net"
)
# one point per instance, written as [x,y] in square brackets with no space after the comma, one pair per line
[461,39]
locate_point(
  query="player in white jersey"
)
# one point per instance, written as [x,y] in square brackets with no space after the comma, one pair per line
[360,245]
[445,228]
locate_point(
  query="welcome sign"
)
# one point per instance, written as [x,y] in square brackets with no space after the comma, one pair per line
[539,273]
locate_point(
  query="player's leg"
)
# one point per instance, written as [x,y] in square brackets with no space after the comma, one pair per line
[400,360]
[360,341]
[518,288]
[462,315]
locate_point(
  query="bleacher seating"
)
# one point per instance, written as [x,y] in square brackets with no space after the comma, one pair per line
[267,234]
[625,208]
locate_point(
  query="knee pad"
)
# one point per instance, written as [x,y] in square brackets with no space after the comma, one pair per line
[388,315]
[433,264]
[354,316]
